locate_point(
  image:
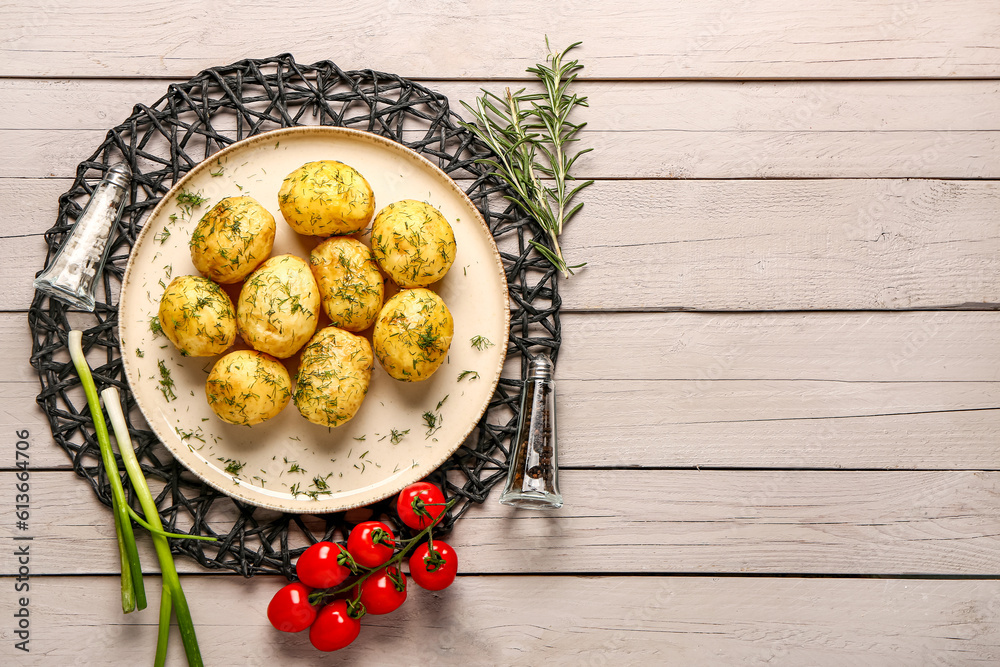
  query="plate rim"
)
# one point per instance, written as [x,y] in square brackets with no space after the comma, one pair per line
[316,506]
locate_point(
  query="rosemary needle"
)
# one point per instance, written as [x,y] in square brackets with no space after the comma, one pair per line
[530,134]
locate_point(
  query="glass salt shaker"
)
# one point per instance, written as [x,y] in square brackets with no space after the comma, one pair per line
[533,478]
[72,275]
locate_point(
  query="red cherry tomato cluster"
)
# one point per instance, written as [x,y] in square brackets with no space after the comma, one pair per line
[317,601]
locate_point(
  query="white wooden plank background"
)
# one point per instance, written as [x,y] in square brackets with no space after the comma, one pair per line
[785,390]
[520,620]
[652,521]
[731,245]
[757,163]
[667,130]
[644,39]
[797,424]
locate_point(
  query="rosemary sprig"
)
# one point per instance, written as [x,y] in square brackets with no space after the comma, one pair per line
[530,134]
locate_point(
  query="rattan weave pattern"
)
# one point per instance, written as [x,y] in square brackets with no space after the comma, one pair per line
[162,142]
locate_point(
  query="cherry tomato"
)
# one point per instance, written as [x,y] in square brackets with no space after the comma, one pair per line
[319,566]
[427,493]
[334,627]
[384,591]
[289,609]
[366,546]
[434,572]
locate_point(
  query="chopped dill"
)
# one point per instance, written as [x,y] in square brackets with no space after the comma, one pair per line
[433,422]
[188,198]
[472,375]
[188,201]
[233,467]
[321,484]
[395,436]
[166,382]
[481,343]
[427,340]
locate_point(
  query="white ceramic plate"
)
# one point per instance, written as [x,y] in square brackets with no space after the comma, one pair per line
[288,463]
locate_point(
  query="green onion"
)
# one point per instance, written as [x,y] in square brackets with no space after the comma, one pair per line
[177,536]
[173,594]
[133,592]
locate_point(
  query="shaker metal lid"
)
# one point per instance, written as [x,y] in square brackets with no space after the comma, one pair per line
[540,367]
[119,174]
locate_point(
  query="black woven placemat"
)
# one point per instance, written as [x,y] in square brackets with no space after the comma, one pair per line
[161,143]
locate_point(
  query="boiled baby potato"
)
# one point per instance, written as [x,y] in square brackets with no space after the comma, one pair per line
[333,376]
[326,198]
[197,316]
[232,239]
[412,334]
[248,387]
[278,308]
[413,243]
[349,282]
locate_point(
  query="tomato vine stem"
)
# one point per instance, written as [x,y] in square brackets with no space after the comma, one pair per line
[320,596]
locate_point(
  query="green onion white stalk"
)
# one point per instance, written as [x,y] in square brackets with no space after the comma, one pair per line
[133,591]
[173,594]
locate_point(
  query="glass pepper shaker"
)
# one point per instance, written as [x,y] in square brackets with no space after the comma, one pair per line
[533,478]
[72,275]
